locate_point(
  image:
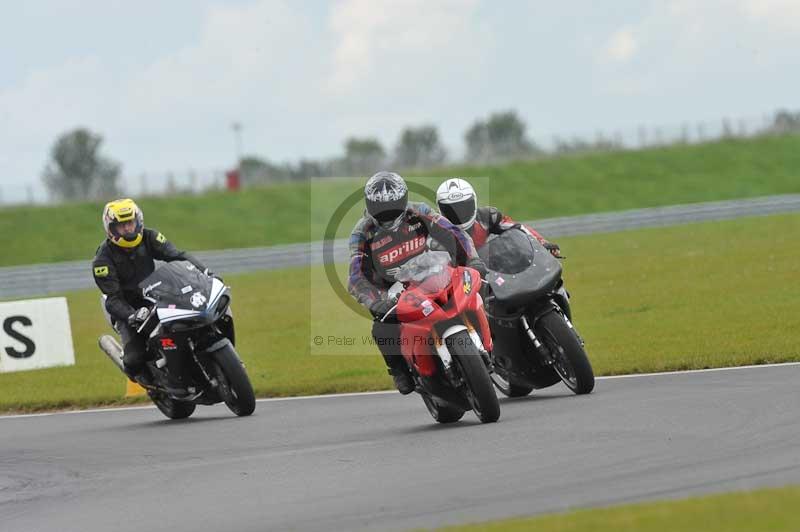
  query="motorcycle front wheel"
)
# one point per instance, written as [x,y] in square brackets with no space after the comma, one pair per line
[234,384]
[569,358]
[479,389]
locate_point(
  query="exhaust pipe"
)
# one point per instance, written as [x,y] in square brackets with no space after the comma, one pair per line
[110,346]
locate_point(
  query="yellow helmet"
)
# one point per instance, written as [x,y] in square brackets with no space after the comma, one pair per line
[119,212]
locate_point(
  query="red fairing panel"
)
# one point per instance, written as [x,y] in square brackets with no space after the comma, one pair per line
[418,348]
[472,304]
[418,312]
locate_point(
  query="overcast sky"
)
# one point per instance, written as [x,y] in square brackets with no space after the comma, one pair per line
[162,81]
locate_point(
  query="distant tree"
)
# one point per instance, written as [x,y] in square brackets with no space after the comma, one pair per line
[786,122]
[308,168]
[478,145]
[419,147]
[255,170]
[364,156]
[502,136]
[76,169]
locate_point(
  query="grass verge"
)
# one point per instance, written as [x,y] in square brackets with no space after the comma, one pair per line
[287,213]
[684,297]
[773,510]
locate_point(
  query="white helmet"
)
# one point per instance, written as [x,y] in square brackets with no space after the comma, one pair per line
[458,202]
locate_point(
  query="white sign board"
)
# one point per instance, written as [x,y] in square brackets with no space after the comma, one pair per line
[35,334]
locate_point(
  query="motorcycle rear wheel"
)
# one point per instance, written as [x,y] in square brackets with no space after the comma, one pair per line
[571,362]
[170,407]
[479,389]
[234,387]
[442,413]
[508,388]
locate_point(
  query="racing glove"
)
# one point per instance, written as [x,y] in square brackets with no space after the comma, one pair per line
[380,307]
[138,317]
[478,264]
[213,275]
[553,249]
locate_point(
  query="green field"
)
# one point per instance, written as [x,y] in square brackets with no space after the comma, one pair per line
[766,510]
[693,296]
[551,187]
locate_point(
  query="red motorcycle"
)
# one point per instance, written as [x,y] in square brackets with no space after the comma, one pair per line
[445,337]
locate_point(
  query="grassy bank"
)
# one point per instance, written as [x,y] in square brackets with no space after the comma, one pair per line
[771,510]
[684,297]
[296,212]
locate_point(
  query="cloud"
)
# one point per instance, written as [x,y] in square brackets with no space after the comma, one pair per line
[678,42]
[242,53]
[167,112]
[622,46]
[782,15]
[406,62]
[384,42]
[44,104]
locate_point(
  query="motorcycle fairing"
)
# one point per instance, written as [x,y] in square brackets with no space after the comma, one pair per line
[421,313]
[521,269]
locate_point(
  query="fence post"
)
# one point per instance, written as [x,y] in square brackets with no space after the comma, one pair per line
[171,187]
[727,130]
[193,181]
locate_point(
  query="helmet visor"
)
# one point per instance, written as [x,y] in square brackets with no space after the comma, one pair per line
[459,212]
[388,216]
[127,230]
[389,219]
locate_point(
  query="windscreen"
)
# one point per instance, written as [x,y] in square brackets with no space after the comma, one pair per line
[510,252]
[423,266]
[175,282]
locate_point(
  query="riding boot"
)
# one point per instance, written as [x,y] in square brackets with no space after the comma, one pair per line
[398,369]
[387,336]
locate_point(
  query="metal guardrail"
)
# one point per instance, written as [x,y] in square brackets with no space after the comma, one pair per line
[43,279]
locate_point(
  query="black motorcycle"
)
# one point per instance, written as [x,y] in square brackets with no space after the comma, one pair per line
[190,344]
[535,343]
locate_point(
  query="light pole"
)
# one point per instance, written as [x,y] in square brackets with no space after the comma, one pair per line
[237,134]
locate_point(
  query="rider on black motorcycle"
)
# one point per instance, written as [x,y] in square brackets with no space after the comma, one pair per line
[391,232]
[121,262]
[458,202]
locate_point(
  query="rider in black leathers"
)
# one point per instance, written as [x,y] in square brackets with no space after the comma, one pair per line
[121,262]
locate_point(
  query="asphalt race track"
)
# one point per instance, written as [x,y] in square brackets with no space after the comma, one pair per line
[378,461]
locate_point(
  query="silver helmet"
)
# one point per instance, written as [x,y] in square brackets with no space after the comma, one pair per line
[386,196]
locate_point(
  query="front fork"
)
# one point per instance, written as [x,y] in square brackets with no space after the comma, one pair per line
[447,360]
[542,348]
[547,355]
